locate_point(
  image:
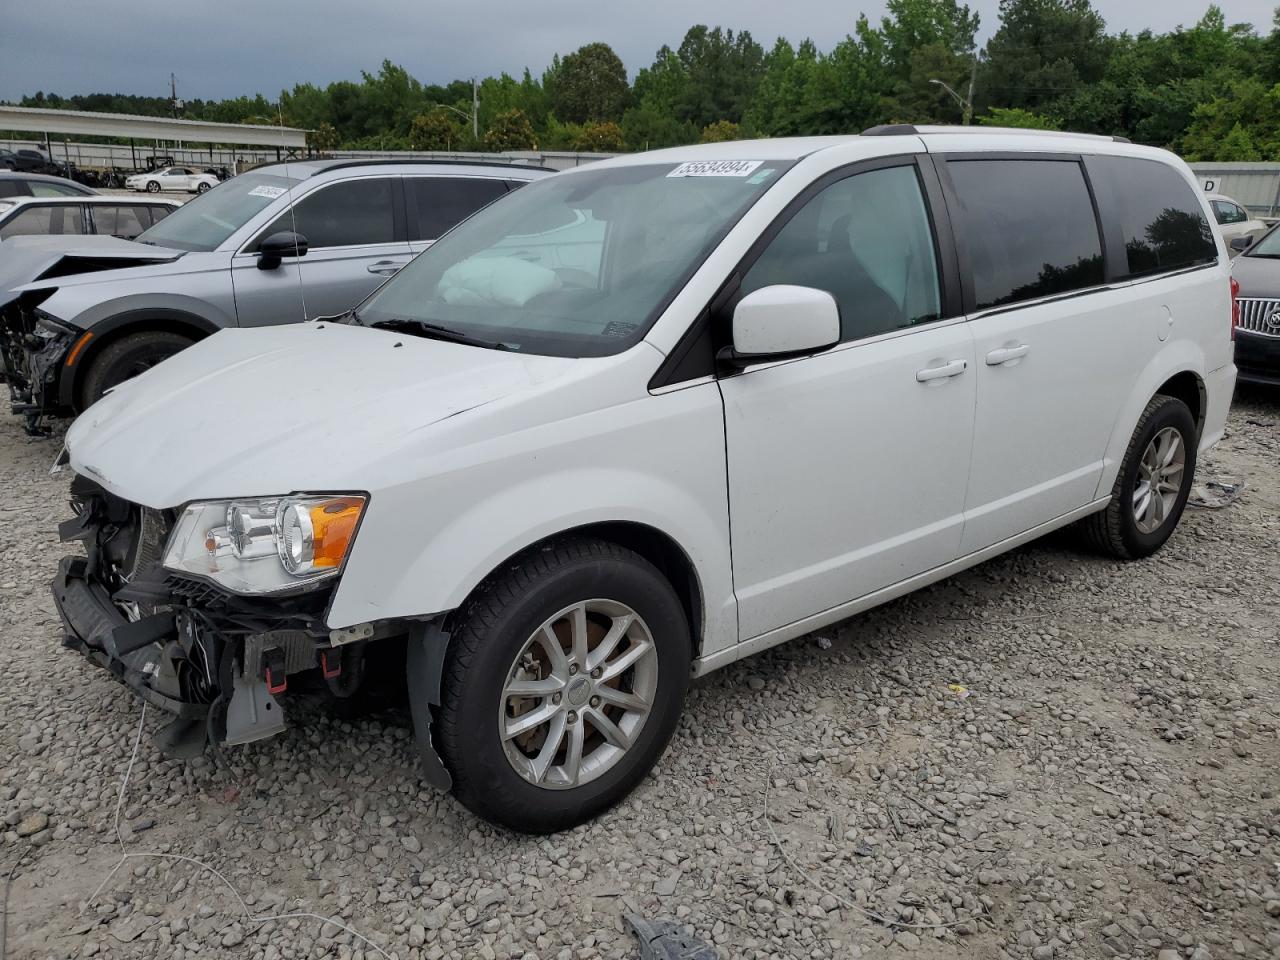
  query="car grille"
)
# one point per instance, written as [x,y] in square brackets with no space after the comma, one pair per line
[1260,316]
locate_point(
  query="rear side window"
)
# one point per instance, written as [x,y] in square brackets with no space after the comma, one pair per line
[1160,216]
[444,202]
[351,213]
[1028,227]
[123,221]
[14,188]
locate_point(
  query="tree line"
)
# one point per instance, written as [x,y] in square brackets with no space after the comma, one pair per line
[1210,91]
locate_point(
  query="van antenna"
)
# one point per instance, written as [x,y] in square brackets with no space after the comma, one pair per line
[293,216]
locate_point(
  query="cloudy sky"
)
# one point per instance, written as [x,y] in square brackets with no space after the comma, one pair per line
[224,48]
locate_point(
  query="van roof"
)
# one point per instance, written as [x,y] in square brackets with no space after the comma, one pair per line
[795,148]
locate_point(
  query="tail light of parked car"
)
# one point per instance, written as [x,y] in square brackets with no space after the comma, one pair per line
[1235,306]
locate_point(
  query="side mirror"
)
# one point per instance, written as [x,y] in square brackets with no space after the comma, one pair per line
[782,321]
[1241,244]
[276,247]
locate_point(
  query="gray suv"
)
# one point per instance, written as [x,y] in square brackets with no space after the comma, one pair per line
[283,243]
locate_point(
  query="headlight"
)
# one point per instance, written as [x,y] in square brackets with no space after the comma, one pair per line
[266,545]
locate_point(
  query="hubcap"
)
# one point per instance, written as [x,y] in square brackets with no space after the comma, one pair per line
[1160,473]
[578,694]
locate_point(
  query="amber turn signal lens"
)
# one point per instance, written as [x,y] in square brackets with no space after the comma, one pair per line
[333,524]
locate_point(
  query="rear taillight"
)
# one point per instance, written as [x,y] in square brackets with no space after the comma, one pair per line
[1235,306]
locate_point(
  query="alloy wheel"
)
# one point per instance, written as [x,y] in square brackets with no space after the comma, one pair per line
[1160,475]
[578,694]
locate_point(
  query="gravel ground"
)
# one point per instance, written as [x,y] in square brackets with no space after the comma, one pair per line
[1109,786]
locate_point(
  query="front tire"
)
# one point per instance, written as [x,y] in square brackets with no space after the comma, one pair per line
[202,188]
[562,685]
[127,358]
[1151,490]
[153,186]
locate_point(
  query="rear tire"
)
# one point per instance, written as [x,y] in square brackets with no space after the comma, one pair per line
[608,731]
[1151,490]
[125,359]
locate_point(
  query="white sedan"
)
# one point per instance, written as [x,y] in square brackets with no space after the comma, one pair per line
[172,178]
[1234,220]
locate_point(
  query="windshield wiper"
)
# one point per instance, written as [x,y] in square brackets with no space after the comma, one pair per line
[434,331]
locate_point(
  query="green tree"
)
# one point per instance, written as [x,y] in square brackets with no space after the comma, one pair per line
[1043,50]
[722,70]
[721,131]
[589,84]
[510,131]
[437,130]
[323,138]
[1017,117]
[596,136]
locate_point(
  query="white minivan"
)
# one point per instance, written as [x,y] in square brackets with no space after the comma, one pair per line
[644,418]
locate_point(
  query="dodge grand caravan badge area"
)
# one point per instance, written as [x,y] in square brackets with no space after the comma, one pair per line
[642,419]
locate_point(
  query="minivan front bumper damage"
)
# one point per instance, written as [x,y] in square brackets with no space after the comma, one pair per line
[215,662]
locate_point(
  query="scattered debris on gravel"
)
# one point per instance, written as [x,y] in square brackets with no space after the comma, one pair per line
[1053,755]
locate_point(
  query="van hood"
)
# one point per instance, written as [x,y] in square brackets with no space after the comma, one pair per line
[32,260]
[275,410]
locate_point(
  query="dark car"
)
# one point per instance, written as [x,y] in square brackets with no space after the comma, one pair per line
[1257,271]
[26,161]
[38,185]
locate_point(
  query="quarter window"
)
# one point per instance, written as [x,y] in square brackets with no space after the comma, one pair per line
[867,241]
[1028,227]
[345,214]
[444,202]
[1161,220]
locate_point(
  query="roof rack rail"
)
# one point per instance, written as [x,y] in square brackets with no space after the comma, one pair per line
[339,163]
[890,130]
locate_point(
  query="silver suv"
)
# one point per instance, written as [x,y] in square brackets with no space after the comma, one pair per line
[283,243]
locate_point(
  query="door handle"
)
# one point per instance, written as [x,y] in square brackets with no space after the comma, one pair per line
[1004,354]
[944,372]
[384,267]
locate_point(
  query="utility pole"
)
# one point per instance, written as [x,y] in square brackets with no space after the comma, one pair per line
[174,102]
[973,80]
[475,109]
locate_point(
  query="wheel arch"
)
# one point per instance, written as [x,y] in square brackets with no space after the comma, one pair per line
[1176,372]
[112,329]
[1188,387]
[654,545]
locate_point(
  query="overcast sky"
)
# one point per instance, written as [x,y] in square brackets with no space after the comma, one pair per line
[226,48]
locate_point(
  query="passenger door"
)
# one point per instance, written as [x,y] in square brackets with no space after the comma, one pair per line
[355,237]
[1053,358]
[435,205]
[847,468]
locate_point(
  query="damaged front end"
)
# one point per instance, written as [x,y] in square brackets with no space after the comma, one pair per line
[212,659]
[35,348]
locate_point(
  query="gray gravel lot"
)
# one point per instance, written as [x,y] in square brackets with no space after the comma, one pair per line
[1109,786]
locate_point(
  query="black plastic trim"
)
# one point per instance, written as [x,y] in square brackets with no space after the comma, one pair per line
[344,164]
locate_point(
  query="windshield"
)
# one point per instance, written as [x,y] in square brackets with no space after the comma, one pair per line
[1268,246]
[204,223]
[578,265]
